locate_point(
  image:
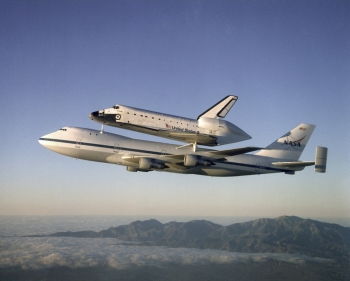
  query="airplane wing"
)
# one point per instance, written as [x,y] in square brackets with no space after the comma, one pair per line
[171,161]
[177,160]
[232,152]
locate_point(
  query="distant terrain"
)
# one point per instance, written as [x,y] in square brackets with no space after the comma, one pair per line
[287,248]
[286,234]
[271,270]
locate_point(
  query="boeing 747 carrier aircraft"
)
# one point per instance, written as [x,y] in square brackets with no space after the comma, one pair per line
[281,156]
[209,129]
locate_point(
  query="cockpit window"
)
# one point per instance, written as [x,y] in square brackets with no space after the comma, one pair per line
[116,107]
[62,129]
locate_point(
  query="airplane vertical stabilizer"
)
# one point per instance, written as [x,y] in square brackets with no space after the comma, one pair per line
[291,145]
[321,159]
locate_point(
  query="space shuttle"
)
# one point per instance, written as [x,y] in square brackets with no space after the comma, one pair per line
[209,129]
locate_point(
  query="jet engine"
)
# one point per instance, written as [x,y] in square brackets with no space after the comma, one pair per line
[148,164]
[193,161]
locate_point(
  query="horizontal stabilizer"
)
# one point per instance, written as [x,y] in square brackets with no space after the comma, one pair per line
[320,161]
[293,164]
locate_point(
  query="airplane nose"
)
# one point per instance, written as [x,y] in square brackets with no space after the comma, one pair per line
[41,140]
[44,140]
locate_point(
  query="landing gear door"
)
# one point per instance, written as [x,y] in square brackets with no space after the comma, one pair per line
[258,167]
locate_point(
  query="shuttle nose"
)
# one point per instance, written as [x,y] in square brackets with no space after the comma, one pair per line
[94,114]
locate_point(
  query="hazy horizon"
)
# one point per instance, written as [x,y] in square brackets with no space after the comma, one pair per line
[102,222]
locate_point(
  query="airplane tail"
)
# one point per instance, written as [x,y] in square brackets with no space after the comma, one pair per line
[291,145]
[220,109]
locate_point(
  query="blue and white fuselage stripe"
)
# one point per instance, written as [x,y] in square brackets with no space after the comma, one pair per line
[111,148]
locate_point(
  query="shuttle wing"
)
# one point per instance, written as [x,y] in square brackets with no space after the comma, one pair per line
[188,137]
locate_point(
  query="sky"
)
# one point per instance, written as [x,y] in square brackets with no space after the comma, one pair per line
[287,61]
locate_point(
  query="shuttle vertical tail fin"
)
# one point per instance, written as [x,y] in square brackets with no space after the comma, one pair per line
[291,145]
[220,109]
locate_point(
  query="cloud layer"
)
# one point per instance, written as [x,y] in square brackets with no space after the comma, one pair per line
[39,253]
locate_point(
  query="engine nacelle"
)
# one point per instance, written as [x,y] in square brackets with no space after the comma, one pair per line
[131,169]
[193,161]
[148,164]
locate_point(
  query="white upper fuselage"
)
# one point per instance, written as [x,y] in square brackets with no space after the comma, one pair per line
[204,131]
[91,145]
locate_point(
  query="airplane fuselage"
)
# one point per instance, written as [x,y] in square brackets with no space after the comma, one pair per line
[204,131]
[139,155]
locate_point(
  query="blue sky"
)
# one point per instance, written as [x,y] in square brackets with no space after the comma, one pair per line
[287,61]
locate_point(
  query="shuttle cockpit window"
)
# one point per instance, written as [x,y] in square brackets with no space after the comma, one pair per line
[116,107]
[62,129]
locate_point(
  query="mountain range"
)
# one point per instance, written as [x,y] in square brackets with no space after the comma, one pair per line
[286,234]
